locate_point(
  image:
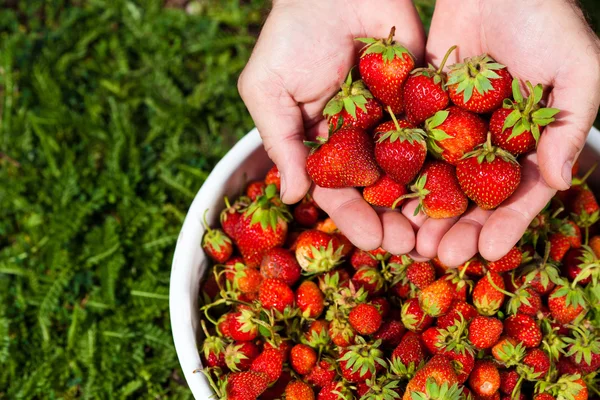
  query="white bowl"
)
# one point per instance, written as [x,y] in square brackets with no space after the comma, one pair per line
[247,160]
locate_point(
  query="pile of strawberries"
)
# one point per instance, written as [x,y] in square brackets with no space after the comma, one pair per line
[291,309]
[450,136]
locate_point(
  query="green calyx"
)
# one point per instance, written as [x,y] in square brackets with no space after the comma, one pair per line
[434,391]
[402,134]
[323,259]
[215,238]
[527,115]
[268,210]
[474,73]
[438,77]
[388,48]
[510,354]
[418,191]
[364,357]
[382,388]
[352,96]
[487,152]
[583,344]
[399,370]
[454,338]
[566,387]
[434,133]
[574,296]
[589,265]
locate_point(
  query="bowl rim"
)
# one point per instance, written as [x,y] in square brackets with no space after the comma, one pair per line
[184,274]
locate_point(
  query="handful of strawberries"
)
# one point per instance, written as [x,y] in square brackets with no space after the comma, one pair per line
[451,136]
[291,309]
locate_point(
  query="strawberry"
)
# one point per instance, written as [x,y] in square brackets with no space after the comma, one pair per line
[284,347]
[255,189]
[486,296]
[413,317]
[384,192]
[306,213]
[276,390]
[270,363]
[488,175]
[575,261]
[383,306]
[298,390]
[572,231]
[371,258]
[433,340]
[463,362]
[544,396]
[438,191]
[273,177]
[369,279]
[459,309]
[365,319]
[595,245]
[274,294]
[537,363]
[354,106]
[478,84]
[484,332]
[213,350]
[586,209]
[559,246]
[524,329]
[421,274]
[263,226]
[438,369]
[508,380]
[341,332]
[303,358]
[508,351]
[317,251]
[280,263]
[247,385]
[437,298]
[361,361]
[390,333]
[517,126]
[454,132]
[400,149]
[345,159]
[309,299]
[322,374]
[334,391]
[239,355]
[566,303]
[216,244]
[231,215]
[410,351]
[485,378]
[583,349]
[525,301]
[507,263]
[241,326]
[333,280]
[246,279]
[317,333]
[566,387]
[424,92]
[433,390]
[384,66]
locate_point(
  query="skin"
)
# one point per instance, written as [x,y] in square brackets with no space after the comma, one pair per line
[306,49]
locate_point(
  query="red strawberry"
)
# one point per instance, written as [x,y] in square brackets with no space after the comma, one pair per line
[458,309]
[345,159]
[390,333]
[360,362]
[484,332]
[410,350]
[246,279]
[454,132]
[559,246]
[507,263]
[433,340]
[274,294]
[270,363]
[247,385]
[365,319]
[573,232]
[273,178]
[413,317]
[538,361]
[438,369]
[298,390]
[309,299]
[369,279]
[479,84]
[334,391]
[583,349]
[284,347]
[354,106]
[421,274]
[439,192]
[488,175]
[317,333]
[544,396]
[566,387]
[437,298]
[575,261]
[383,306]
[425,93]
[317,251]
[463,363]
[566,303]
[371,258]
[524,329]
[216,244]
[242,328]
[486,296]
[526,301]
[276,390]
[231,216]
[517,126]
[306,213]
[239,355]
[262,227]
[322,374]
[485,378]
[508,351]
[280,263]
[384,192]
[400,150]
[585,207]
[213,350]
[384,66]
[303,358]
[341,332]
[508,381]
[255,189]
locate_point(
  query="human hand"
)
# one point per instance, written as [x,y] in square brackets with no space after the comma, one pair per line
[303,54]
[547,42]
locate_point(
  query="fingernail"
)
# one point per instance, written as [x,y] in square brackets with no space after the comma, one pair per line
[567,172]
[283,187]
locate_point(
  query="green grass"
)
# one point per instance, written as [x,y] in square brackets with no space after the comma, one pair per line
[112,113]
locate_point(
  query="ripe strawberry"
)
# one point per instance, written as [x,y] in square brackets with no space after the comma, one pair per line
[384,192]
[365,319]
[508,351]
[334,391]
[361,361]
[486,296]
[572,231]
[222,327]
[384,66]
[246,279]
[425,93]
[438,369]
[413,317]
[317,251]
[298,390]
[276,390]
[410,350]
[273,178]
[479,84]
[383,306]
[575,261]
[274,294]
[280,263]
[262,227]
[526,301]
[270,363]
[217,245]
[213,350]
[390,333]
[433,340]
[437,298]
[247,385]
[303,358]
[306,213]
[421,274]
[484,332]
[239,355]
[544,396]
[309,299]
[242,328]
[524,329]
[488,175]
[566,303]
[400,149]
[595,245]
[231,215]
[330,282]
[370,258]
[508,380]
[284,347]
[317,334]
[322,374]
[583,349]
[345,159]
[538,361]
[485,378]
[566,387]
[459,309]
[354,106]
[255,189]
[559,246]
[454,132]
[517,126]
[507,263]
[439,192]
[463,362]
[369,279]
[341,332]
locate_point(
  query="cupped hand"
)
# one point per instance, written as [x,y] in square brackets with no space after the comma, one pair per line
[302,56]
[547,42]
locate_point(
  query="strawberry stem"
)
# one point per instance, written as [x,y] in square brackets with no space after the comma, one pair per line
[588,173]
[227,202]
[517,388]
[204,221]
[390,38]
[394,118]
[450,50]
[464,270]
[406,196]
[491,281]
[530,99]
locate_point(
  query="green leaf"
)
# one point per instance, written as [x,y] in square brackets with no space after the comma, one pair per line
[511,119]
[349,106]
[437,119]
[545,113]
[538,92]
[516,90]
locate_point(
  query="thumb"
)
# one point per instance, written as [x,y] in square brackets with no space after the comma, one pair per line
[280,124]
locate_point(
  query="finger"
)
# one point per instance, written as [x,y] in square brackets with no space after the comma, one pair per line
[408,210]
[415,256]
[430,235]
[398,234]
[507,224]
[460,243]
[352,215]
